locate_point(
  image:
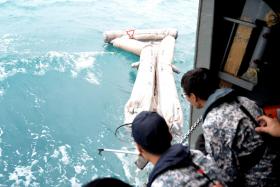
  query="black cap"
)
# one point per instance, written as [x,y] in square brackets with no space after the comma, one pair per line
[150,131]
[107,181]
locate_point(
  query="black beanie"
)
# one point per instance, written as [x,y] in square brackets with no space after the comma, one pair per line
[150,131]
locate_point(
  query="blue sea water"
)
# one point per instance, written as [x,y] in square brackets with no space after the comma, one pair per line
[63,91]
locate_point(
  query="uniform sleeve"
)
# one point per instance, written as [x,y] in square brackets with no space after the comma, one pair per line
[158,183]
[206,163]
[177,177]
[219,130]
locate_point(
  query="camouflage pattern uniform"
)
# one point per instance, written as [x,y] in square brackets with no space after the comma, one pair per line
[229,135]
[188,176]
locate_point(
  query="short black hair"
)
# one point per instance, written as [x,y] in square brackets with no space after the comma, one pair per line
[106,182]
[201,82]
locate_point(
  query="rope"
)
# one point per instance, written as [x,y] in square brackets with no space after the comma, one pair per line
[126,139]
[194,126]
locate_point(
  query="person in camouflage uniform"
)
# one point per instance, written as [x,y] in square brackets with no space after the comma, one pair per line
[174,165]
[229,131]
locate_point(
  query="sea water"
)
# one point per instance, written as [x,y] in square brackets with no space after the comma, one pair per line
[63,91]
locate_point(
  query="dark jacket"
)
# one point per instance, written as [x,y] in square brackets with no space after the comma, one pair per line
[178,166]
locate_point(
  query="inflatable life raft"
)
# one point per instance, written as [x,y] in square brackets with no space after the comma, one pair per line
[154,88]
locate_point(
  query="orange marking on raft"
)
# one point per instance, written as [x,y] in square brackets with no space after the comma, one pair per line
[130,33]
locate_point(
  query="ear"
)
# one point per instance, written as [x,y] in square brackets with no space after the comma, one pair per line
[195,101]
[139,148]
[193,97]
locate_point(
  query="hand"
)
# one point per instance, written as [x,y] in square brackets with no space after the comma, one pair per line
[217,184]
[268,125]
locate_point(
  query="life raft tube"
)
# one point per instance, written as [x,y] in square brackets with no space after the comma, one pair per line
[140,34]
[142,95]
[154,88]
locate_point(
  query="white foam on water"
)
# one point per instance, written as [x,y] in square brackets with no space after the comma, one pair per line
[84,60]
[91,78]
[125,163]
[55,154]
[4,73]
[79,168]
[23,175]
[74,74]
[41,170]
[34,162]
[17,152]
[60,68]
[5,166]
[45,158]
[1,133]
[2,91]
[41,69]
[135,176]
[17,70]
[65,157]
[44,131]
[37,102]
[62,153]
[35,136]
[5,42]
[33,152]
[55,54]
[75,182]
[94,177]
[85,156]
[75,63]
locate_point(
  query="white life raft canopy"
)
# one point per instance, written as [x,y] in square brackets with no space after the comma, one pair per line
[154,88]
